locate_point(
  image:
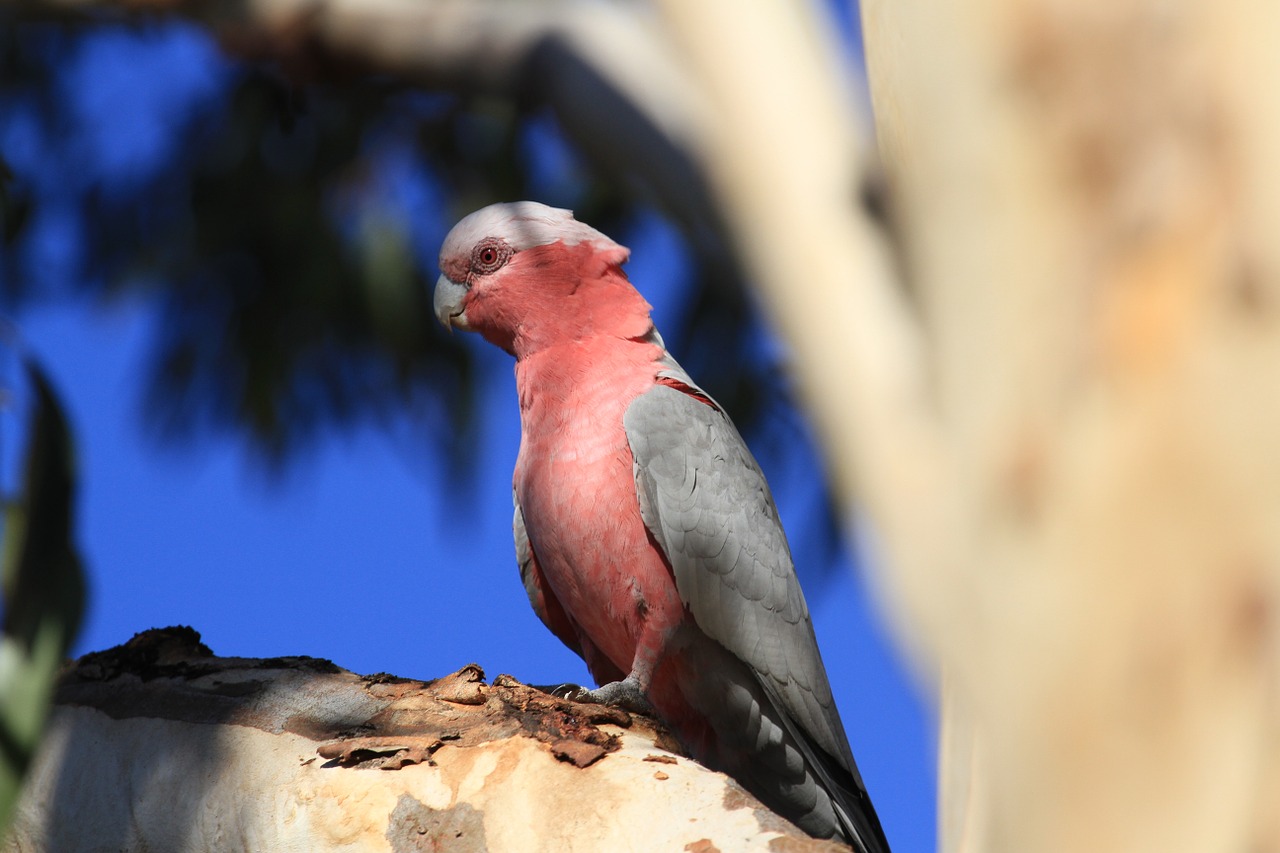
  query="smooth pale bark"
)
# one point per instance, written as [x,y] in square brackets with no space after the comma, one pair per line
[1087,194]
[158,745]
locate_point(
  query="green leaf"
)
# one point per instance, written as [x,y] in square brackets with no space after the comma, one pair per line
[43,586]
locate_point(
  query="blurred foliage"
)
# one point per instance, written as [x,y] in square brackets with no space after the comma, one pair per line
[283,310]
[281,233]
[281,314]
[43,586]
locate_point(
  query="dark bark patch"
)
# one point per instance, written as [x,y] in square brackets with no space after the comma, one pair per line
[155,653]
[416,828]
[577,753]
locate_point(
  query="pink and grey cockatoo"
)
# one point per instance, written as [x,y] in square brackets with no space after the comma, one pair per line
[646,536]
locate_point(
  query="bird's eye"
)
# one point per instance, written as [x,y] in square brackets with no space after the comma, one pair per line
[489,256]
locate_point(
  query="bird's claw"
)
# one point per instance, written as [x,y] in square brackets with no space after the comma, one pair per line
[626,694]
[572,692]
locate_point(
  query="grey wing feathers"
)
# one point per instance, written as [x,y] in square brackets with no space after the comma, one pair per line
[707,505]
[706,502]
[524,558]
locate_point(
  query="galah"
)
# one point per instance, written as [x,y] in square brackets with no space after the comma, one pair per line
[646,535]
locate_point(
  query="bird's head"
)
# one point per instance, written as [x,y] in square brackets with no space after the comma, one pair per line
[527,276]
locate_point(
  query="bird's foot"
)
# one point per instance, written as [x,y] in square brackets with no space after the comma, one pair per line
[626,694]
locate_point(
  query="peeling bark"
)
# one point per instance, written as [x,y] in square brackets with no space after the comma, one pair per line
[159,745]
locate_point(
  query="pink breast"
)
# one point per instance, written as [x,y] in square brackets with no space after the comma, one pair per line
[576,486]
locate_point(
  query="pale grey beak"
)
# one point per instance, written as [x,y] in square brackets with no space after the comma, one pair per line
[448,303]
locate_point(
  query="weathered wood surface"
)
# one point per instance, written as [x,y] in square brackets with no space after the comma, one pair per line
[160,745]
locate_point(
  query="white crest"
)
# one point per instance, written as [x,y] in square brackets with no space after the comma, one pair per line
[523,225]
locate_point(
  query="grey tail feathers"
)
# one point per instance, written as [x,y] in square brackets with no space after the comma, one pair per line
[849,798]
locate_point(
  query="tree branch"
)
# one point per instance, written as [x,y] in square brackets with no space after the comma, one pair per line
[158,745]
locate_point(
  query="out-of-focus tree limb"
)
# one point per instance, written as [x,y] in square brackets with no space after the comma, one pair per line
[786,153]
[1089,198]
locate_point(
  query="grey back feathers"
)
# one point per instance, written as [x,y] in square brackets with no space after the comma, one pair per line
[707,505]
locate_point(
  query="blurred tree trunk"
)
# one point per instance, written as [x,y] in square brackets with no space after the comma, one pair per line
[1068,447]
[1089,196]
[159,745]
[1094,247]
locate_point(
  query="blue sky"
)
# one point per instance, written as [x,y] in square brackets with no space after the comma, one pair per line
[365,550]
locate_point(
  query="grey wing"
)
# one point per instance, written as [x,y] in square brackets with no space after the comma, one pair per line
[707,505]
[524,558]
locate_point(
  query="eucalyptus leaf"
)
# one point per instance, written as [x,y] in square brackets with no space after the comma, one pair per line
[43,585]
